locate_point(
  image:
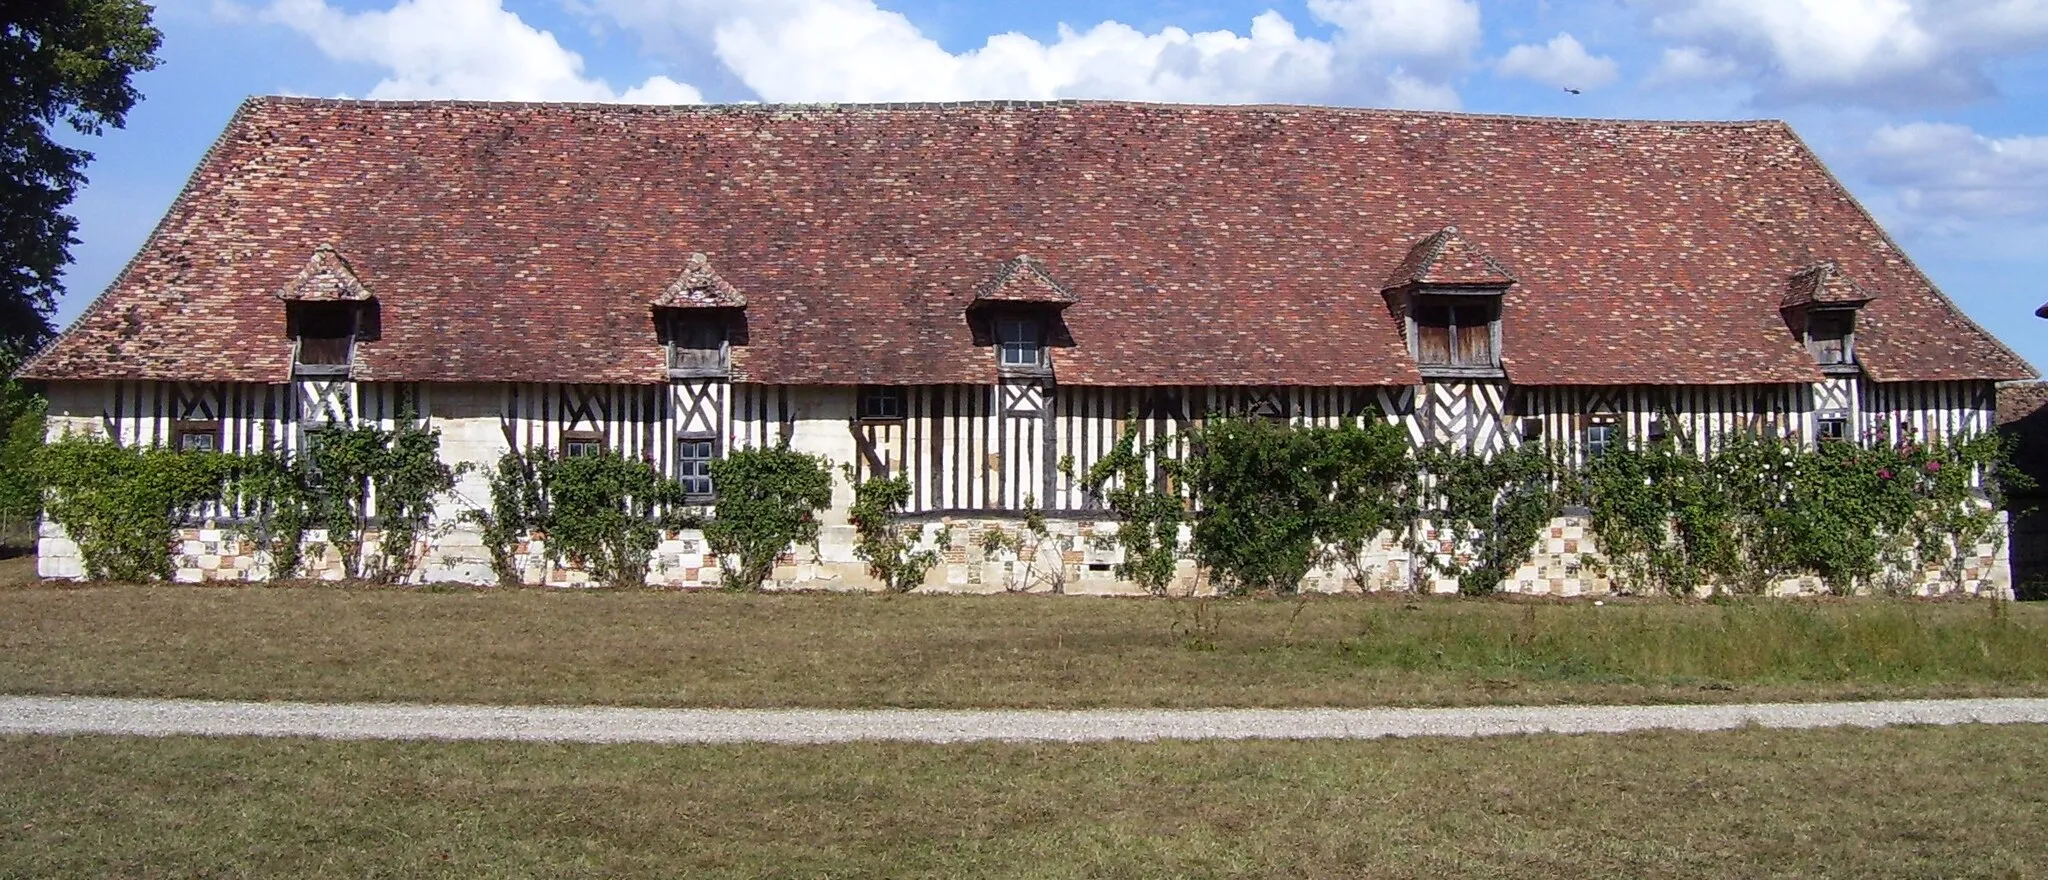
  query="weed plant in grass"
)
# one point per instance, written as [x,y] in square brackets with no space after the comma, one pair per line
[1927,802]
[669,649]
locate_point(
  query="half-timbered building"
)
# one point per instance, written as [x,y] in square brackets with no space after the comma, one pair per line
[974,295]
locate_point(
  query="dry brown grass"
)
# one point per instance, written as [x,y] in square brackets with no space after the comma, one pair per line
[17,571]
[1940,802]
[668,649]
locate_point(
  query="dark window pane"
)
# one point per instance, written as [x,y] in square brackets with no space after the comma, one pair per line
[881,402]
[198,441]
[1832,429]
[1599,438]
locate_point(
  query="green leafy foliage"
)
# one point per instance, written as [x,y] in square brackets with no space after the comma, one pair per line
[1757,510]
[1278,499]
[68,60]
[515,512]
[889,547]
[1489,510]
[276,496]
[363,475]
[768,499]
[122,504]
[22,427]
[604,513]
[1141,486]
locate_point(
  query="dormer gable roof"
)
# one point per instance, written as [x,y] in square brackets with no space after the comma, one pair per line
[700,287]
[1824,284]
[327,277]
[1446,259]
[1023,279]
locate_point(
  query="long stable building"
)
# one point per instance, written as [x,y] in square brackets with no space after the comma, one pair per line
[970,294]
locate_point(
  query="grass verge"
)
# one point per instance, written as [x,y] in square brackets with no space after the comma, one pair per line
[668,649]
[1899,803]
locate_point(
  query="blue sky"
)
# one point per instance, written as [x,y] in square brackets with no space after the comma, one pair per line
[1931,111]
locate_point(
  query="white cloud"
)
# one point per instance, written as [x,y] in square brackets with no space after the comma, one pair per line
[473,49]
[1562,63]
[855,50]
[1944,172]
[1885,52]
[1691,64]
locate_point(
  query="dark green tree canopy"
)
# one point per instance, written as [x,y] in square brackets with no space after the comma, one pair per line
[68,61]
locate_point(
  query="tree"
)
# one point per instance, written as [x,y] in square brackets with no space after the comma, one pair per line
[68,61]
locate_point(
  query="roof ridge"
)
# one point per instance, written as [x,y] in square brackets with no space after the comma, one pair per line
[1016,104]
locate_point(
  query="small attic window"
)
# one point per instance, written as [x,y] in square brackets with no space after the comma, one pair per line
[324,336]
[1831,336]
[1020,342]
[697,344]
[1456,331]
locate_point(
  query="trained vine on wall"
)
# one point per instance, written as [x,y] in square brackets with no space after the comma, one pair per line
[887,545]
[1753,511]
[1276,500]
[1141,485]
[122,505]
[1487,510]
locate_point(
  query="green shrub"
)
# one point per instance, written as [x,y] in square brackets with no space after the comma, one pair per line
[122,504]
[768,499]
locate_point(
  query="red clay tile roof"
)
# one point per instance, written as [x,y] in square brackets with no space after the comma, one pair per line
[326,278]
[1024,280]
[1824,283]
[1212,244]
[700,287]
[1445,258]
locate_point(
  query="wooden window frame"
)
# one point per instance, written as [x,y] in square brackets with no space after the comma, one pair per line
[298,315]
[581,437]
[678,323]
[1454,302]
[711,493]
[865,393]
[211,427]
[1040,330]
[1608,427]
[1847,323]
[1821,421]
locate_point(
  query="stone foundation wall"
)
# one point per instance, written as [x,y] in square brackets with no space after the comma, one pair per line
[1070,558]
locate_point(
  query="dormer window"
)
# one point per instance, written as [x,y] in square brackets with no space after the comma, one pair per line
[1830,336]
[697,343]
[1020,343]
[697,314]
[1019,309]
[326,308]
[1448,293]
[324,337]
[1820,306]
[1456,332]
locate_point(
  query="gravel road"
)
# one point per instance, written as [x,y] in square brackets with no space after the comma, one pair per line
[93,715]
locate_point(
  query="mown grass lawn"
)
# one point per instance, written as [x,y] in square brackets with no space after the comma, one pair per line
[1927,802]
[716,649]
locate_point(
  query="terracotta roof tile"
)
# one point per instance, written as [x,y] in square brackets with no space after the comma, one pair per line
[1445,258]
[326,278]
[1824,283]
[1024,280]
[1210,244]
[699,286]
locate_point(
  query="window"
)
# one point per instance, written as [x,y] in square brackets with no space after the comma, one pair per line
[1599,439]
[881,402]
[1828,336]
[1455,333]
[325,333]
[197,436]
[1532,429]
[1019,343]
[696,345]
[1831,428]
[693,465]
[578,444]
